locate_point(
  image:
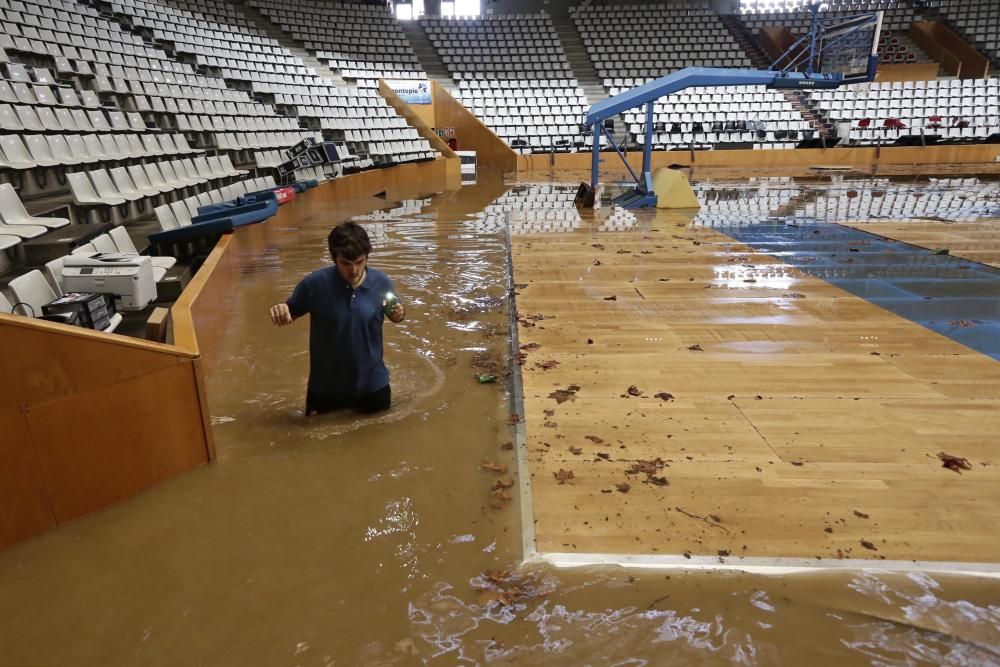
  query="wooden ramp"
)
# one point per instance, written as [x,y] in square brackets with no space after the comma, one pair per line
[689,401]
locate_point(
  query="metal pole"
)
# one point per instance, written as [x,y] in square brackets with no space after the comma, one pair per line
[814,9]
[647,152]
[595,163]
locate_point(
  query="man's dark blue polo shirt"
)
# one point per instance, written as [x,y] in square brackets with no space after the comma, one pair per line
[345,331]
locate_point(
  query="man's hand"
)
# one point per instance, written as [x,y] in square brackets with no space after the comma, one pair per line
[281,316]
[397,313]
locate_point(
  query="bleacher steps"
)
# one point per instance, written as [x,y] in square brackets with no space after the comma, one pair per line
[759,59]
[428,56]
[579,61]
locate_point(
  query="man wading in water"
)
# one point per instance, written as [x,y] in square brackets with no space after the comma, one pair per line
[348,303]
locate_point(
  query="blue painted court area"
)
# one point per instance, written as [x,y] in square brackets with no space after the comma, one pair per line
[954,297]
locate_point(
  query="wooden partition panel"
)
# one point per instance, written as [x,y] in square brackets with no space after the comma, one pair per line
[804,157]
[957,57]
[776,40]
[492,152]
[419,116]
[907,72]
[207,299]
[90,419]
[25,509]
[974,64]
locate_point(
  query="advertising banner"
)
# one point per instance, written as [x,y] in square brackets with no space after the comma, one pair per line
[411,91]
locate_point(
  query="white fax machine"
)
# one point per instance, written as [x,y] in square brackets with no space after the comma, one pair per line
[128,276]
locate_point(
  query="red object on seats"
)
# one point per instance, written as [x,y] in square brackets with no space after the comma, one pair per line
[284,195]
[864,122]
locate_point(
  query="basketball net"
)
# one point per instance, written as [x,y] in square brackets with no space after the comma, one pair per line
[860,90]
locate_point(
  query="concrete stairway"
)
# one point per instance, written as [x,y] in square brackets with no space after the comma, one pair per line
[294,47]
[428,56]
[760,60]
[576,53]
[583,70]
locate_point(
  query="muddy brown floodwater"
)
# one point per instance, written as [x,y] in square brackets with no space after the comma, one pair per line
[348,541]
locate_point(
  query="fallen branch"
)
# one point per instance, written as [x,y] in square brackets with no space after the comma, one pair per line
[700,518]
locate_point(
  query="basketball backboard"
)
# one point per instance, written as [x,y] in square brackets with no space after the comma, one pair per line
[848,45]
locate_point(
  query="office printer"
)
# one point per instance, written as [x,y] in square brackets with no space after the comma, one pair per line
[129,277]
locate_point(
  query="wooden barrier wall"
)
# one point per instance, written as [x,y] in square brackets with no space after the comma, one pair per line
[907,72]
[492,153]
[89,419]
[957,57]
[419,116]
[776,40]
[750,159]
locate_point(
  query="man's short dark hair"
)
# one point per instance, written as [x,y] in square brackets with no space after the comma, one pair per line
[348,240]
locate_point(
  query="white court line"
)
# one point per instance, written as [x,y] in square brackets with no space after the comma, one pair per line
[768,566]
[528,544]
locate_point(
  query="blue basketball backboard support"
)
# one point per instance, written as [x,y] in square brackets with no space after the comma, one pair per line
[647,94]
[786,77]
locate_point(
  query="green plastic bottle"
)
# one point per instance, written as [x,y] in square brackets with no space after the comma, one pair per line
[389,302]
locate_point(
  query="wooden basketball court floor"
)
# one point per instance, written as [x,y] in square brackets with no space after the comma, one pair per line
[690,400]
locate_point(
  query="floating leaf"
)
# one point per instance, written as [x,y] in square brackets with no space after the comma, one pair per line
[696,348]
[490,598]
[623,487]
[664,396]
[494,466]
[634,391]
[504,482]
